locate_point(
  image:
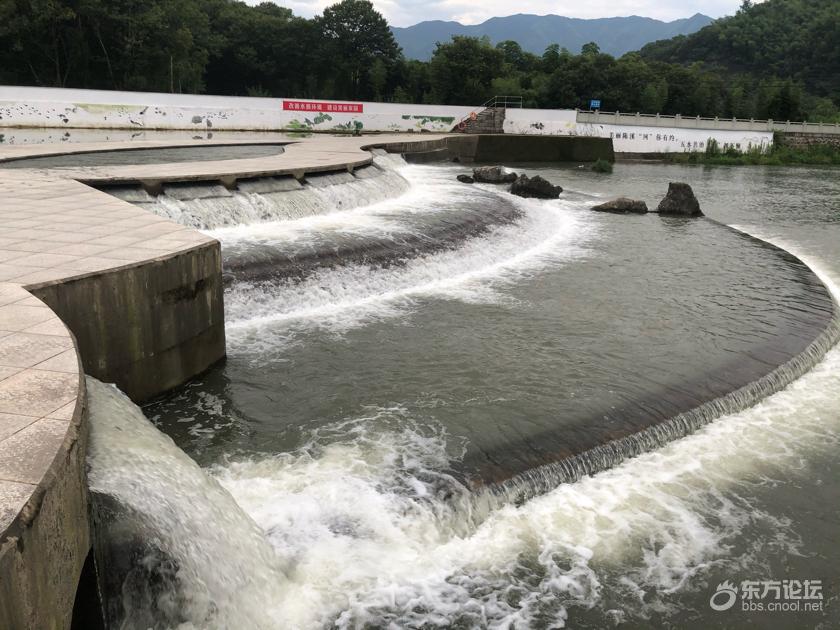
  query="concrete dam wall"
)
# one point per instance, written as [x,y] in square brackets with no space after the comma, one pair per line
[69,109]
[92,284]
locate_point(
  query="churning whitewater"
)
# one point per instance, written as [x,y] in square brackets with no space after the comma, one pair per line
[502,426]
[368,525]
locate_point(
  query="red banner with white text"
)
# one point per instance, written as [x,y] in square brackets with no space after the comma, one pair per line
[321,106]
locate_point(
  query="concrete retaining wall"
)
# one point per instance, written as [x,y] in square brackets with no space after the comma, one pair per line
[44,550]
[810,139]
[150,327]
[100,109]
[509,148]
[629,138]
[711,124]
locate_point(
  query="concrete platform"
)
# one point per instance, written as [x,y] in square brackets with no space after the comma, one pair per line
[92,284]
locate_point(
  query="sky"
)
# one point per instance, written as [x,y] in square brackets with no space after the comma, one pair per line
[408,12]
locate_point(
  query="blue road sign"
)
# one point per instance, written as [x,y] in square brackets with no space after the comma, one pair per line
[594,104]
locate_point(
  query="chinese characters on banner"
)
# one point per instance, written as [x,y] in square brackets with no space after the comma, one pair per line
[321,106]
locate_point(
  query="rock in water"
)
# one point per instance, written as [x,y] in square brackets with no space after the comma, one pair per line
[465,179]
[680,201]
[537,187]
[622,205]
[493,175]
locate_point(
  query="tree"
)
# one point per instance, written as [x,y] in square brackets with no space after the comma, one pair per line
[462,70]
[263,46]
[354,36]
[590,49]
[378,77]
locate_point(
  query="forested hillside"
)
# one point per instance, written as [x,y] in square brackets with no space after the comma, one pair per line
[614,35]
[779,59]
[771,40]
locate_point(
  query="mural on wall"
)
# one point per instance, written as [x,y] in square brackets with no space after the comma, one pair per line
[79,109]
[54,110]
[636,139]
[632,138]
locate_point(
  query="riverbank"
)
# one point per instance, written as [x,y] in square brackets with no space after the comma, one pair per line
[778,155]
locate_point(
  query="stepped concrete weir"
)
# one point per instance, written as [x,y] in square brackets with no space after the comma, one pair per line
[92,284]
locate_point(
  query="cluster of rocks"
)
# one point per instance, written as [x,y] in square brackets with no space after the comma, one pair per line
[521,185]
[680,201]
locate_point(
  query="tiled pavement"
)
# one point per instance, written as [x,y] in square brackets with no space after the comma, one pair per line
[54,228]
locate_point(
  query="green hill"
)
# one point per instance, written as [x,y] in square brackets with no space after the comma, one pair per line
[797,40]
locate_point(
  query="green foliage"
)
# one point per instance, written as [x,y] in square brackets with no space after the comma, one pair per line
[355,39]
[712,148]
[776,59]
[462,71]
[602,166]
[778,155]
[784,49]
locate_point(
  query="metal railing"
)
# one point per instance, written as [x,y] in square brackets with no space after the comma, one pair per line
[503,101]
[493,103]
[699,122]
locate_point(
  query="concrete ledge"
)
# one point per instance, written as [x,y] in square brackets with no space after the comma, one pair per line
[44,532]
[159,323]
[143,297]
[507,148]
[512,148]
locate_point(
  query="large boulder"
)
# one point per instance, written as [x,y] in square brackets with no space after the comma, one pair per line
[622,205]
[536,187]
[493,175]
[680,201]
[465,179]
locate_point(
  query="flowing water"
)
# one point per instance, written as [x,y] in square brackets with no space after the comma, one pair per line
[447,407]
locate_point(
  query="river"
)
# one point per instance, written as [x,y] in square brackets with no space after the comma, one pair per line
[444,406]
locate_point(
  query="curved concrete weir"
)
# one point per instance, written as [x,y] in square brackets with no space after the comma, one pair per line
[90,283]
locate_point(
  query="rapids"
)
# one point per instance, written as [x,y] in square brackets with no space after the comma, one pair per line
[341,443]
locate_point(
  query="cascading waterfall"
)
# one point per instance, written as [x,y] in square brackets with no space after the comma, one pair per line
[210,206]
[368,521]
[374,530]
[605,456]
[162,520]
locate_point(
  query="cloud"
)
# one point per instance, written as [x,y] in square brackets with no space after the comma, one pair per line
[408,12]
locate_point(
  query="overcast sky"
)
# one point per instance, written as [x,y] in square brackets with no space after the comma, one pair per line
[408,12]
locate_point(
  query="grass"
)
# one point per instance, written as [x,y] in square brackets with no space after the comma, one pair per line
[777,155]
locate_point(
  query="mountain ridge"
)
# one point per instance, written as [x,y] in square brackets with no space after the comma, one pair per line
[615,35]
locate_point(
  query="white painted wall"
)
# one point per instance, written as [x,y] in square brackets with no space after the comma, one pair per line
[99,109]
[630,138]
[58,109]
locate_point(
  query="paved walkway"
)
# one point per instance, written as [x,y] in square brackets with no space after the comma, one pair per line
[53,229]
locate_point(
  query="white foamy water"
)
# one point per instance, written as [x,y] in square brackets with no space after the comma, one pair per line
[429,191]
[209,206]
[338,299]
[224,563]
[372,541]
[371,527]
[367,526]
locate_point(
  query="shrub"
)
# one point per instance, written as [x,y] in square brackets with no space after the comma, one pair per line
[712,148]
[602,166]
